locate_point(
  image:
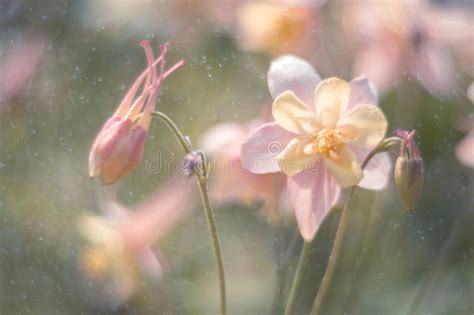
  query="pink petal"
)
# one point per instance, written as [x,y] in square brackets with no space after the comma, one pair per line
[231,182]
[224,139]
[465,150]
[382,65]
[434,68]
[153,218]
[362,93]
[377,172]
[150,262]
[259,152]
[312,194]
[18,65]
[295,74]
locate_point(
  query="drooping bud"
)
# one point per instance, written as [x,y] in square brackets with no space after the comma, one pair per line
[117,151]
[119,145]
[409,169]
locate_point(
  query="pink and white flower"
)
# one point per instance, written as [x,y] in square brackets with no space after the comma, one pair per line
[321,133]
[120,242]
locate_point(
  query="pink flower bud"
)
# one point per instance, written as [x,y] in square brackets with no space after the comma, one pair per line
[409,180]
[118,147]
[409,169]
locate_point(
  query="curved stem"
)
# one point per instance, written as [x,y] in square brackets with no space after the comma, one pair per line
[202,178]
[295,287]
[215,240]
[341,229]
[179,135]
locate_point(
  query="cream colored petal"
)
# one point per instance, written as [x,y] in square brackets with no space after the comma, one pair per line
[97,229]
[292,114]
[364,126]
[344,168]
[293,159]
[330,100]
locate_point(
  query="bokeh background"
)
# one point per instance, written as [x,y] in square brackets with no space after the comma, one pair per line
[64,67]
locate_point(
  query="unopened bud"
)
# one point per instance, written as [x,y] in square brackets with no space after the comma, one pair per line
[409,169]
[118,149]
[191,162]
[409,180]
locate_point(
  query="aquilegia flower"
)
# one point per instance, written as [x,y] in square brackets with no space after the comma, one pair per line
[118,147]
[324,129]
[120,242]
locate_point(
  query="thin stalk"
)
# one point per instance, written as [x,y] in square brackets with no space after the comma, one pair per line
[202,178]
[280,269]
[179,135]
[341,229]
[295,287]
[215,241]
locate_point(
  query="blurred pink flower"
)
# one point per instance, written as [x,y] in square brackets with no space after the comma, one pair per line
[465,150]
[17,66]
[120,242]
[322,132]
[405,38]
[230,181]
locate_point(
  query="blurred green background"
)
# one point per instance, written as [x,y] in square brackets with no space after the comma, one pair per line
[89,57]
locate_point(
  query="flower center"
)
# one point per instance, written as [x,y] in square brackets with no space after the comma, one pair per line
[327,142]
[95,262]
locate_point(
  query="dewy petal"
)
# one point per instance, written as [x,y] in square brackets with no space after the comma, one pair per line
[344,168]
[378,170]
[362,93]
[312,195]
[330,100]
[293,159]
[367,125]
[289,72]
[292,114]
[259,152]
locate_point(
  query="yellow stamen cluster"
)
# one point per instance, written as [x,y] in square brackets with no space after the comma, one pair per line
[95,262]
[328,142]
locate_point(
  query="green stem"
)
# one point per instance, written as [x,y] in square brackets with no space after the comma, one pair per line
[341,229]
[179,135]
[215,240]
[202,178]
[280,267]
[295,287]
